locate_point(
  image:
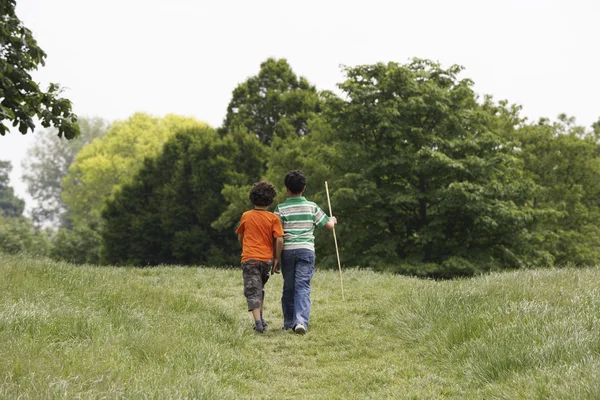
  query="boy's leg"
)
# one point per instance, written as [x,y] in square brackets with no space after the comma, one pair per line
[253,290]
[305,267]
[262,308]
[256,314]
[288,270]
[265,269]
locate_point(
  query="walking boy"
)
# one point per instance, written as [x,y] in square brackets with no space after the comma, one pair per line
[258,230]
[299,218]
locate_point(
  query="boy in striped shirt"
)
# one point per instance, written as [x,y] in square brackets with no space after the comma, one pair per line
[298,218]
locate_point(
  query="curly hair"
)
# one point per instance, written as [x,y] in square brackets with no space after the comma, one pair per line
[295,181]
[262,194]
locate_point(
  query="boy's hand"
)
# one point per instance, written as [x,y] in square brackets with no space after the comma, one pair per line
[331,223]
[275,268]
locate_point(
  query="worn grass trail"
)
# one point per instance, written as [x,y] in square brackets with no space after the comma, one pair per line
[172,332]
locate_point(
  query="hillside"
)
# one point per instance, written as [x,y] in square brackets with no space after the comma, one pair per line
[177,332]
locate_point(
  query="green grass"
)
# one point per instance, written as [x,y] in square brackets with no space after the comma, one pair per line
[170,332]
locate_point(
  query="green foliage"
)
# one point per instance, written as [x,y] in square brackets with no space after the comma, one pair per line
[19,235]
[21,98]
[315,155]
[293,152]
[166,214]
[275,102]
[78,245]
[103,166]
[426,178]
[48,162]
[425,175]
[10,205]
[564,159]
[281,109]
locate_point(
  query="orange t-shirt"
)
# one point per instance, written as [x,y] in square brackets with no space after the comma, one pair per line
[259,227]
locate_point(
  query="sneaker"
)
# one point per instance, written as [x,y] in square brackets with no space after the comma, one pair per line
[264,323]
[300,329]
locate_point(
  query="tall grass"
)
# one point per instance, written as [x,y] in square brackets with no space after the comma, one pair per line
[173,332]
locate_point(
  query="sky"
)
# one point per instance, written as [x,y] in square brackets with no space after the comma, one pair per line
[118,57]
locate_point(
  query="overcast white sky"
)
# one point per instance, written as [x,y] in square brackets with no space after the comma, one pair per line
[117,57]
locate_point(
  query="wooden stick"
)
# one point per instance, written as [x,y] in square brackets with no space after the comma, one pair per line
[337,252]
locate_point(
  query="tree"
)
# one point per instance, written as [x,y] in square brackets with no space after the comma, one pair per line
[274,102]
[100,170]
[426,180]
[18,234]
[47,164]
[21,98]
[78,245]
[166,214]
[10,205]
[104,165]
[277,107]
[314,155]
[564,159]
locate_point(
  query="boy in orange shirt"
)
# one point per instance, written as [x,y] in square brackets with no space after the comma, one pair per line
[258,231]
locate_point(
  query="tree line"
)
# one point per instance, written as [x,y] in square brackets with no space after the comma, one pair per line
[426,177]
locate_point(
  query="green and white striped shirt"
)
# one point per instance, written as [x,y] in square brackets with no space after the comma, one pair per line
[299,218]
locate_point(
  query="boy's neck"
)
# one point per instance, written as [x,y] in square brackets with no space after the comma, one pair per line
[295,195]
[261,208]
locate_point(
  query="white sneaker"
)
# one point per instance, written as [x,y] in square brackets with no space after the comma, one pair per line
[300,329]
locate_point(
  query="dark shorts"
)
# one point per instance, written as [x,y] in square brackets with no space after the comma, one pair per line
[256,274]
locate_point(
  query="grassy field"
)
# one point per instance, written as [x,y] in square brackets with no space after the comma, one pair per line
[170,332]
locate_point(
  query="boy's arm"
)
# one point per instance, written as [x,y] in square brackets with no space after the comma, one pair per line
[278,235]
[322,220]
[240,231]
[331,223]
[278,249]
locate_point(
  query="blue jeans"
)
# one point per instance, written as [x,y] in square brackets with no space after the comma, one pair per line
[297,267]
